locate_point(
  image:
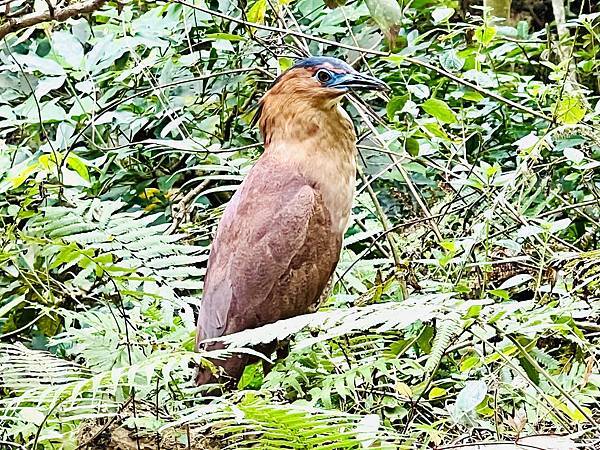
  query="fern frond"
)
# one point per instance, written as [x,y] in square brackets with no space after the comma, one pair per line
[172,260]
[257,423]
[125,239]
[24,369]
[447,330]
[40,378]
[544,359]
[380,318]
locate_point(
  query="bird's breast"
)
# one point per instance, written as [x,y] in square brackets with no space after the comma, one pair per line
[334,178]
[320,144]
[329,165]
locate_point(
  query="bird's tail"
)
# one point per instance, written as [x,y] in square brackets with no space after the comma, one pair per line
[229,370]
[204,376]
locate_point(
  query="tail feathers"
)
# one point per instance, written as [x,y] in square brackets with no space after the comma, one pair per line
[229,370]
[204,376]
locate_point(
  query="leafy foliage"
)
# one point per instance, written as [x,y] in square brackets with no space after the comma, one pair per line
[465,302]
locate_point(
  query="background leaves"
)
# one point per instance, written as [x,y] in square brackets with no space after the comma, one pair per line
[464,307]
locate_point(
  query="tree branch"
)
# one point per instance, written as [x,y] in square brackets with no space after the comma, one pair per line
[18,23]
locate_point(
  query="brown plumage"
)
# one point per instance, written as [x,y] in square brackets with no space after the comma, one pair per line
[280,236]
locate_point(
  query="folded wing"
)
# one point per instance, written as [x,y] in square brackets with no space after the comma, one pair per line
[272,256]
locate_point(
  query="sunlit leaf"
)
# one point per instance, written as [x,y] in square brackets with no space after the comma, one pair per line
[485,34]
[257,11]
[32,415]
[442,14]
[471,395]
[570,110]
[436,392]
[68,48]
[574,155]
[388,15]
[440,110]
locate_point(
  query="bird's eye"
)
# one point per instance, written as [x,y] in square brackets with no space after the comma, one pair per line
[323,76]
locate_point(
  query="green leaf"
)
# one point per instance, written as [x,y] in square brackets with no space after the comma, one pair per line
[415,167]
[387,14]
[258,11]
[570,110]
[436,392]
[574,414]
[394,105]
[484,35]
[20,178]
[471,395]
[251,377]
[411,145]
[473,96]
[47,85]
[8,307]
[436,130]
[440,110]
[425,339]
[285,63]
[469,363]
[572,176]
[78,165]
[43,65]
[421,91]
[473,311]
[530,370]
[225,36]
[451,62]
[500,293]
[448,245]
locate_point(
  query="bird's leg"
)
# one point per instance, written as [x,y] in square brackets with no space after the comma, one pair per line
[323,297]
[230,370]
[283,349]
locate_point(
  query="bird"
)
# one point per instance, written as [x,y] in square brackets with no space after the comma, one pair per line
[280,236]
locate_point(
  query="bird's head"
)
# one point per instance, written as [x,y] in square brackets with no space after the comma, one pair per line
[322,78]
[293,107]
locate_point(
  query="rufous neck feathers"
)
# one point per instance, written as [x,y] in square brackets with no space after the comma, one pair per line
[295,118]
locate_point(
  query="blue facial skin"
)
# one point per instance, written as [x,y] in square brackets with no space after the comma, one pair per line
[323,61]
[339,75]
[335,73]
[356,80]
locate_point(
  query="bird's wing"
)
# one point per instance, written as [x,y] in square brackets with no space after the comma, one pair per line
[260,241]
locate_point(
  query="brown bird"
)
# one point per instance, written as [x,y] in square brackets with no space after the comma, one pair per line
[280,236]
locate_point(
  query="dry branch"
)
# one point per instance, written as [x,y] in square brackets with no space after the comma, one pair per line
[60,15]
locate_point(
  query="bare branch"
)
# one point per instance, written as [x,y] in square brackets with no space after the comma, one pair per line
[18,23]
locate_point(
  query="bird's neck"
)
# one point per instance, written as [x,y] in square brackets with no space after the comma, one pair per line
[321,145]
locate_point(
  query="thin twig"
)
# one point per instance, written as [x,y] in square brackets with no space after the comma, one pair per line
[145,91]
[382,219]
[180,209]
[548,377]
[407,180]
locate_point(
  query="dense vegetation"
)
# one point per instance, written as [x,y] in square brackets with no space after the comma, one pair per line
[465,305]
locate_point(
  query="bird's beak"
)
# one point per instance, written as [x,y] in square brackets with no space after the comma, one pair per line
[359,81]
